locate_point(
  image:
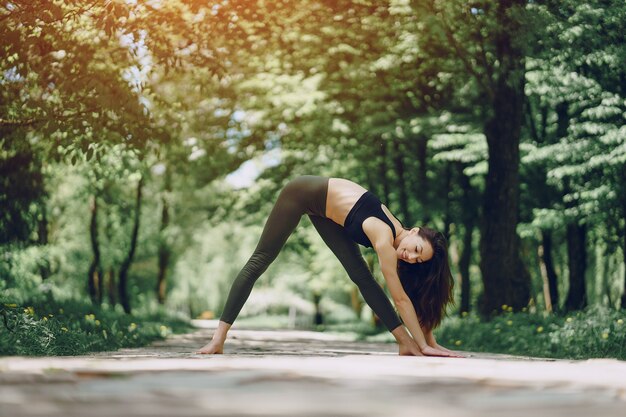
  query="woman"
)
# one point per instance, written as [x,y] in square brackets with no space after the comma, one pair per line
[413,261]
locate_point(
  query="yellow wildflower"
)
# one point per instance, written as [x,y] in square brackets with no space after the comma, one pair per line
[509,322]
[620,321]
[539,329]
[44,318]
[64,329]
[605,335]
[464,314]
[504,306]
[97,322]
[458,343]
[569,320]
[12,305]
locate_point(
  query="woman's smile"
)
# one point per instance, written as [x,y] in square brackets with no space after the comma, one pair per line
[413,248]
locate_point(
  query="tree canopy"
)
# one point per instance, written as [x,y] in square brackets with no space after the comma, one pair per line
[500,123]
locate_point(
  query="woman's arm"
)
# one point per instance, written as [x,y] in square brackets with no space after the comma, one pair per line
[430,338]
[388,262]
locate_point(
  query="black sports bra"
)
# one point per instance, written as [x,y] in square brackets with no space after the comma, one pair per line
[367,205]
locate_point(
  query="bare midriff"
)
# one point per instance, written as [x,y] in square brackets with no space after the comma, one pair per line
[341,197]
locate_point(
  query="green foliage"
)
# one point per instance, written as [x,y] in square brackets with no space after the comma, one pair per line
[578,113]
[42,325]
[391,94]
[596,332]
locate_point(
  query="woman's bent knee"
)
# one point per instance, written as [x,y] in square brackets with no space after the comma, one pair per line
[256,265]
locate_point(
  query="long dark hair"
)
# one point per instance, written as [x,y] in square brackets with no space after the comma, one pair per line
[429,284]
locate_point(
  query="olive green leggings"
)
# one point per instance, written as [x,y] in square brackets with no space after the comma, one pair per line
[306,194]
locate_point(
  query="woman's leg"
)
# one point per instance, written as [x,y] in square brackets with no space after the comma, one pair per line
[293,201]
[350,257]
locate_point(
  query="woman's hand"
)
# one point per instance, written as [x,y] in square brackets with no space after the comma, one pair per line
[432,351]
[451,352]
[211,348]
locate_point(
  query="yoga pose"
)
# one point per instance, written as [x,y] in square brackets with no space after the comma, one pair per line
[414,262]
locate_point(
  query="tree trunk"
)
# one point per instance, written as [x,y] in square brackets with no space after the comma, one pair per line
[355,300]
[544,278]
[370,174]
[110,273]
[447,218]
[606,278]
[319,318]
[164,249]
[402,194]
[100,285]
[623,300]
[577,262]
[123,276]
[95,270]
[623,193]
[382,167]
[468,217]
[546,258]
[464,266]
[421,185]
[111,290]
[506,280]
[42,240]
[500,260]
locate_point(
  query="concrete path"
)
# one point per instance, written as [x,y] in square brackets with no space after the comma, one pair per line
[299,373]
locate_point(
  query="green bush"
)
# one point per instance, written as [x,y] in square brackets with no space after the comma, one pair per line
[45,326]
[596,332]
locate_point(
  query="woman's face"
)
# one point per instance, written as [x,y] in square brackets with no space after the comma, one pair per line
[414,249]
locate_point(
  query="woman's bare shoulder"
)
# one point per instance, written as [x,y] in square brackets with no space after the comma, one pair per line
[377,231]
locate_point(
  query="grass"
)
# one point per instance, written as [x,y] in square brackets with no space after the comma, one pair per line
[47,327]
[596,332]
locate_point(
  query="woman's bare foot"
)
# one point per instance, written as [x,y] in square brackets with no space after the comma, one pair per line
[211,348]
[216,345]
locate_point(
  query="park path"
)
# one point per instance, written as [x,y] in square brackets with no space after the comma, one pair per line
[301,373]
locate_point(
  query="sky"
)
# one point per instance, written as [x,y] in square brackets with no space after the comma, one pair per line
[248,172]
